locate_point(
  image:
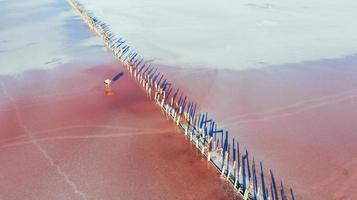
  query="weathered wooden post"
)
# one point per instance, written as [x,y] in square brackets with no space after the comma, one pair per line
[234,151]
[244,157]
[248,189]
[263,181]
[272,192]
[282,191]
[228,160]
[273,185]
[292,194]
[255,181]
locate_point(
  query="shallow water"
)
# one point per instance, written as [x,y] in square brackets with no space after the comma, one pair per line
[300,119]
[64,140]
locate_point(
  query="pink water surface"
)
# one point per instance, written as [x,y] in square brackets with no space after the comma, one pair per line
[61,137]
[299,119]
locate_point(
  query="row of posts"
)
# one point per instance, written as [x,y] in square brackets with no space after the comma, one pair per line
[214,143]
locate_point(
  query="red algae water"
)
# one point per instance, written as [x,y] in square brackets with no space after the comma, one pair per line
[62,138]
[300,119]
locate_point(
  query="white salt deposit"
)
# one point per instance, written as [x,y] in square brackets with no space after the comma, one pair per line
[236,34]
[39,34]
